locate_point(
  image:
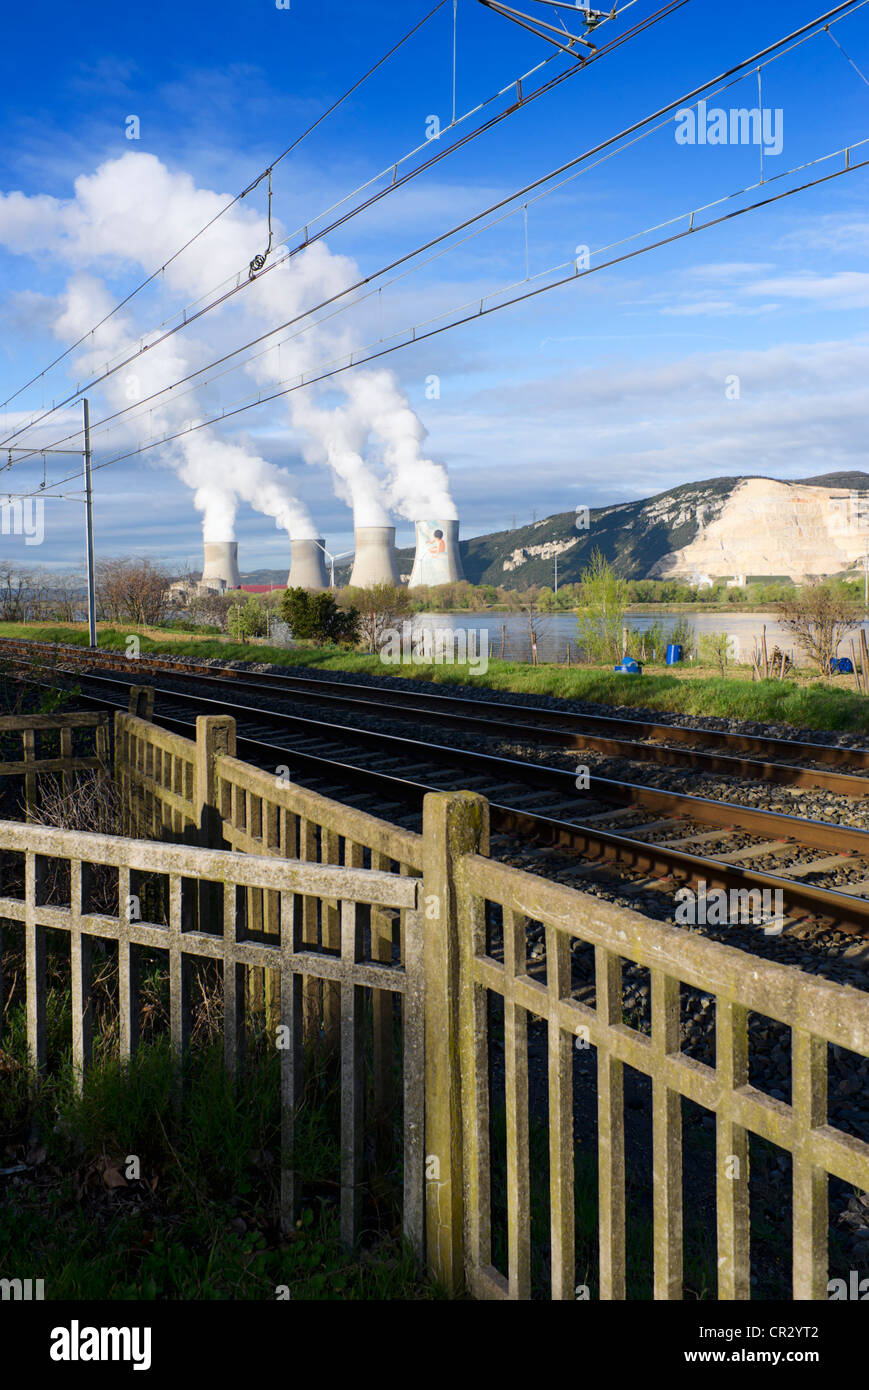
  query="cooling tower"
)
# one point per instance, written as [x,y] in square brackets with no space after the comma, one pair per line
[221,564]
[437,558]
[375,561]
[308,569]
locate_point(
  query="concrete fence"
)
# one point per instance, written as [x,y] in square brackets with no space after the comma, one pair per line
[348,969]
[58,729]
[447,947]
[818,1013]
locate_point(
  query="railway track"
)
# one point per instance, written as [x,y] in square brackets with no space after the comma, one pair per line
[656,840]
[774,760]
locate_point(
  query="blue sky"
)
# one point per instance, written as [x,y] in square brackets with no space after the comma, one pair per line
[616,386]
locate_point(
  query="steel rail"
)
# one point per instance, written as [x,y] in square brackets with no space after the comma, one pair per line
[568,729]
[848,912]
[771,824]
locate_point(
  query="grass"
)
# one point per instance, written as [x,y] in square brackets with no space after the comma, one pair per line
[201,1220]
[198,1216]
[803,703]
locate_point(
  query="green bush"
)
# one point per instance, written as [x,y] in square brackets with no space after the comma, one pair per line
[713,649]
[248,620]
[601,612]
[317,618]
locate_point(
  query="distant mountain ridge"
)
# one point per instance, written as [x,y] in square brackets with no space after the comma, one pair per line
[654,537]
[719,527]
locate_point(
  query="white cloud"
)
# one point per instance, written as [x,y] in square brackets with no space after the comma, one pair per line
[847,289]
[714,308]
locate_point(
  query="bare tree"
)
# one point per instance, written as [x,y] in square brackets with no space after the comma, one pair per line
[63,597]
[16,590]
[380,607]
[819,618]
[135,589]
[537,624]
[211,608]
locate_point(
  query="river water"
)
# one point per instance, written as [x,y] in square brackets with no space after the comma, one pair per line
[556,631]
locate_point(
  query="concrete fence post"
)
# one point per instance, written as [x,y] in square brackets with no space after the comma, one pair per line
[454,824]
[142,702]
[215,734]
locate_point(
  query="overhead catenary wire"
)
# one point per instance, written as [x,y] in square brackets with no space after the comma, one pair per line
[243,279]
[717,84]
[231,204]
[254,184]
[516,83]
[572,5]
[690,214]
[847,57]
[693,229]
[517,17]
[455,52]
[146,407]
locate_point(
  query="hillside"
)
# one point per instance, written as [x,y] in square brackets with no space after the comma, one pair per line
[719,527]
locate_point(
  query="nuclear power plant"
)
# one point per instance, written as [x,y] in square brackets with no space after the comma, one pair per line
[376,561]
[437,559]
[220,570]
[308,567]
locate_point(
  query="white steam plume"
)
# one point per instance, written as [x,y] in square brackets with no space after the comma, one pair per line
[134,209]
[418,488]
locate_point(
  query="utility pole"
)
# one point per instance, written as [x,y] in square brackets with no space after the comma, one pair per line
[556,571]
[89,526]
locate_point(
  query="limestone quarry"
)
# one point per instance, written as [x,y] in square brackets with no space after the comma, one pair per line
[732,528]
[763,527]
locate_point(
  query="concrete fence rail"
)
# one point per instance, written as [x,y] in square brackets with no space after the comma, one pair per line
[348,969]
[35,762]
[819,1013]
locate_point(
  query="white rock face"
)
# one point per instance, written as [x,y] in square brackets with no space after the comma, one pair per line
[546,551]
[765,527]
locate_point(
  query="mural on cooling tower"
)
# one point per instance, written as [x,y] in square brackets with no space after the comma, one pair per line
[432,563]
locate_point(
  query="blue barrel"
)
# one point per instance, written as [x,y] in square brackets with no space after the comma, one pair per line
[674,653]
